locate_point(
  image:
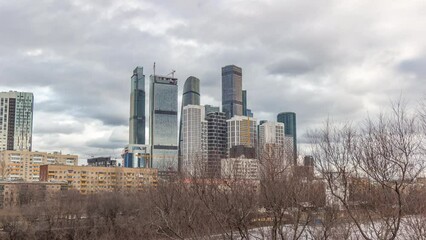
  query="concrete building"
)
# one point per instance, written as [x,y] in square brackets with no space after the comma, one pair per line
[96,179]
[137,108]
[240,168]
[17,193]
[216,141]
[271,133]
[289,120]
[163,127]
[16,120]
[194,140]
[241,131]
[232,100]
[190,96]
[25,165]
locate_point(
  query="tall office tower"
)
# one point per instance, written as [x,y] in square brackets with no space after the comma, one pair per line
[194,140]
[163,126]
[271,133]
[244,94]
[216,141]
[191,96]
[232,100]
[289,120]
[210,109]
[16,120]
[241,131]
[137,108]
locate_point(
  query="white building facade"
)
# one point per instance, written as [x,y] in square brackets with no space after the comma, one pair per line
[194,136]
[242,131]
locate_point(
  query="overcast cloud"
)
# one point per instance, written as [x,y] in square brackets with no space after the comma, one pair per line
[317,58]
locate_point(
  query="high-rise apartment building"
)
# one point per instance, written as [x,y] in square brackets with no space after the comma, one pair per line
[289,120]
[217,148]
[163,127]
[232,100]
[16,120]
[191,96]
[271,133]
[137,108]
[194,140]
[25,165]
[241,131]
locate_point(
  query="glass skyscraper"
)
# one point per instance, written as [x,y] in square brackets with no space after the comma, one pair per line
[137,108]
[232,100]
[163,127]
[16,120]
[191,96]
[289,120]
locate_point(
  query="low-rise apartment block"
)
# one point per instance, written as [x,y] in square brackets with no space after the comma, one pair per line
[87,179]
[25,165]
[19,193]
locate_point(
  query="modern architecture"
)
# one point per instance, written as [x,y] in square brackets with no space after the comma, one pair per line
[216,141]
[163,127]
[137,108]
[16,120]
[289,120]
[232,100]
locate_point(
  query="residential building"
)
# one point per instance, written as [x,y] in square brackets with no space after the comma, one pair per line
[241,131]
[289,120]
[137,108]
[16,120]
[25,165]
[17,193]
[102,162]
[232,101]
[86,179]
[271,133]
[240,168]
[194,140]
[216,141]
[191,96]
[163,127]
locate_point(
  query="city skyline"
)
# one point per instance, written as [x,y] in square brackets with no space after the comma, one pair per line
[314,64]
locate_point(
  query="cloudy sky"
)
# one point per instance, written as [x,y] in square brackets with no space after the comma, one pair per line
[342,59]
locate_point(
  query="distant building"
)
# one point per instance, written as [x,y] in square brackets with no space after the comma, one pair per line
[241,131]
[211,109]
[240,168]
[271,133]
[194,140]
[137,156]
[163,125]
[137,108]
[25,165]
[244,95]
[242,150]
[87,179]
[102,162]
[18,193]
[16,120]
[232,101]
[289,120]
[217,148]
[190,96]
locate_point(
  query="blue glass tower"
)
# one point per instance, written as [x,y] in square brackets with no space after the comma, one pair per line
[289,120]
[137,108]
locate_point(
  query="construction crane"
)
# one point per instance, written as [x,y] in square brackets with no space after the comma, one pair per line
[172,73]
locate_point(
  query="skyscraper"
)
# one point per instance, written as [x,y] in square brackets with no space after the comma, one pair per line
[194,140]
[216,141]
[271,133]
[137,108]
[191,96]
[232,102]
[16,120]
[210,109]
[289,120]
[244,95]
[163,126]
